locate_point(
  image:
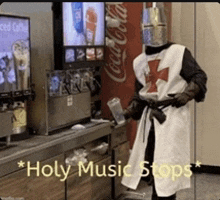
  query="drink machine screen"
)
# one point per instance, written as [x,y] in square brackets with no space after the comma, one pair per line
[14,53]
[83,31]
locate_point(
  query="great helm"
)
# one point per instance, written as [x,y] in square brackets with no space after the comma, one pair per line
[154,27]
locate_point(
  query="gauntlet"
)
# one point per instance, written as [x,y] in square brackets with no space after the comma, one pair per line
[188,94]
[135,109]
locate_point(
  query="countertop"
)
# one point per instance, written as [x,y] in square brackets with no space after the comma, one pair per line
[40,147]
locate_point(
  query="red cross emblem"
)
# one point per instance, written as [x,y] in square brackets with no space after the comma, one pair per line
[154,75]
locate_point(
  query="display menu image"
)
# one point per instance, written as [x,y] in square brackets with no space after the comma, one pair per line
[83,23]
[14,53]
[70,55]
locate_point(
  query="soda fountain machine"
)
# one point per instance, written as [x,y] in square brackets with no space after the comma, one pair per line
[68,98]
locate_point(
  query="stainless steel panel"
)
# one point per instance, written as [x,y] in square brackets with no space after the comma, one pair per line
[6,124]
[66,110]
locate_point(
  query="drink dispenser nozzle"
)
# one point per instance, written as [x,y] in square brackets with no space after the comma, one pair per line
[77,80]
[67,89]
[67,84]
[88,85]
[1,104]
[87,78]
[10,103]
[77,87]
[94,79]
[96,85]
[60,88]
[4,107]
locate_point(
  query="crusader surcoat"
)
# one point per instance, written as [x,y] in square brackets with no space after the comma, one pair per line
[160,75]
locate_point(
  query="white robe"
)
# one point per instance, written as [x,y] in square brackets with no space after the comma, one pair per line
[172,138]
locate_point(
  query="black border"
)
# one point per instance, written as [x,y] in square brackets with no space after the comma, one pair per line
[19,93]
[59,48]
[209,169]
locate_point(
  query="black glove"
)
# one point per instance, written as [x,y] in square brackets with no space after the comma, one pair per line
[135,109]
[126,114]
[189,93]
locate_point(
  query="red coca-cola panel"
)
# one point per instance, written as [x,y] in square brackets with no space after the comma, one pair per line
[118,79]
[118,76]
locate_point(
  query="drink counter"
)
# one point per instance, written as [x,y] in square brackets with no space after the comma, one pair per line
[36,168]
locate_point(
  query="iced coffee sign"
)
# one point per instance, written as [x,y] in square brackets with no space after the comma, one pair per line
[14,53]
[13,26]
[13,29]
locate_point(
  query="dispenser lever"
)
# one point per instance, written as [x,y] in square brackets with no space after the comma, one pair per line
[88,85]
[78,88]
[67,89]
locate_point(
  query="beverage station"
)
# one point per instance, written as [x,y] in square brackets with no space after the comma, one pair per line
[55,110]
[68,72]
[72,85]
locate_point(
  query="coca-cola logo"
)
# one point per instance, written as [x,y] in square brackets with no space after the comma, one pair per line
[115,67]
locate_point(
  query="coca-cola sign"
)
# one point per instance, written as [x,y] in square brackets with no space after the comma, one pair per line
[117,55]
[118,79]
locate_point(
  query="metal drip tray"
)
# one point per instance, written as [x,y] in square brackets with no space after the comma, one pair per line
[128,195]
[4,146]
[67,110]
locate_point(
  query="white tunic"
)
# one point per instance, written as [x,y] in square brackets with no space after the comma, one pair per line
[172,138]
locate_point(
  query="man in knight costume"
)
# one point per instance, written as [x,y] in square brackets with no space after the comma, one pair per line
[167,78]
